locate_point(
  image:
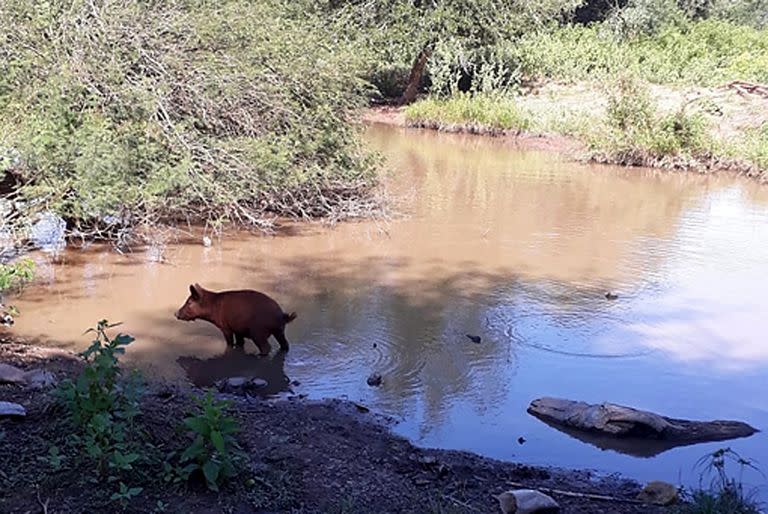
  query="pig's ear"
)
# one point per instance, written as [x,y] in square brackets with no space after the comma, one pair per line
[196,291]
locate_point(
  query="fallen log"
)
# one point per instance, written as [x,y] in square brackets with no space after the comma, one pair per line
[625,422]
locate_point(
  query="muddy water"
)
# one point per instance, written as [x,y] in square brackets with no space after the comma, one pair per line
[516,247]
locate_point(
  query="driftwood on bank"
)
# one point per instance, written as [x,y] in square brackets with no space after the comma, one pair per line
[625,422]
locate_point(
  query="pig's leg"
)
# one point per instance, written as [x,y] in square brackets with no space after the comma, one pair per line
[280,336]
[261,340]
[240,340]
[228,335]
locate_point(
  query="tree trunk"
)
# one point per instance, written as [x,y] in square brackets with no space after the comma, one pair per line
[414,79]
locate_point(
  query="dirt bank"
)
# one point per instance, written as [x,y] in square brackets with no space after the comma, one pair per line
[304,456]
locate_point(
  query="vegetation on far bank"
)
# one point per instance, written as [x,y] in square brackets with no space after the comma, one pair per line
[646,82]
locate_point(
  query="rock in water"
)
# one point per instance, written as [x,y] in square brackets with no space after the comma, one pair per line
[375,380]
[12,410]
[240,385]
[658,493]
[619,421]
[526,501]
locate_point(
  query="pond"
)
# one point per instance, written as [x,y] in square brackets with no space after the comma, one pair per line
[517,247]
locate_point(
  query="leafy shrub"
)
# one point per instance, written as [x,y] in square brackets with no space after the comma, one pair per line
[635,134]
[16,274]
[130,112]
[630,108]
[214,450]
[706,53]
[103,405]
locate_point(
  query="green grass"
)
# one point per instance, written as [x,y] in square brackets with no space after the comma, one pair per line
[485,112]
[725,493]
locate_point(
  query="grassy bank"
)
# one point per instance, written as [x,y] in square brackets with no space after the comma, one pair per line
[656,83]
[624,121]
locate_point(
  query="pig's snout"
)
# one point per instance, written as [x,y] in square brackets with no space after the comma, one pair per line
[177,315]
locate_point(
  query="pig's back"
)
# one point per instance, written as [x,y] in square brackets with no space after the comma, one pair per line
[245,307]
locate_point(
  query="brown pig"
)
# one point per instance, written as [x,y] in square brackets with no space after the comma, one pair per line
[240,314]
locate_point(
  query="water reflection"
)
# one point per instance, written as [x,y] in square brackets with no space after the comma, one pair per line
[236,362]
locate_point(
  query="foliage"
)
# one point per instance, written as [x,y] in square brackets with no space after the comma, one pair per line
[725,494]
[487,111]
[103,406]
[130,112]
[704,53]
[125,494]
[461,35]
[14,275]
[636,134]
[756,147]
[214,450]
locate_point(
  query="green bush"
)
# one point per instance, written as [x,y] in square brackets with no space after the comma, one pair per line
[704,53]
[130,112]
[636,134]
[14,275]
[214,450]
[102,405]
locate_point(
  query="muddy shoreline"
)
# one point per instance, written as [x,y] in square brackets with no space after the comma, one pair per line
[571,147]
[568,146]
[304,456]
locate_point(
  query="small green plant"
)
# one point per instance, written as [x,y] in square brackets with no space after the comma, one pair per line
[14,275]
[725,494]
[103,406]
[214,450]
[125,494]
[53,459]
[630,108]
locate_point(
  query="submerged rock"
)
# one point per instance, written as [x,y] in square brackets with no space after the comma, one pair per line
[240,385]
[48,232]
[619,421]
[526,501]
[12,410]
[375,380]
[658,493]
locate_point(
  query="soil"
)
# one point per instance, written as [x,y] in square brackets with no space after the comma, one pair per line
[302,457]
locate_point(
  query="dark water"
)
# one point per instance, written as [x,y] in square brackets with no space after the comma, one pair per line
[515,247]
